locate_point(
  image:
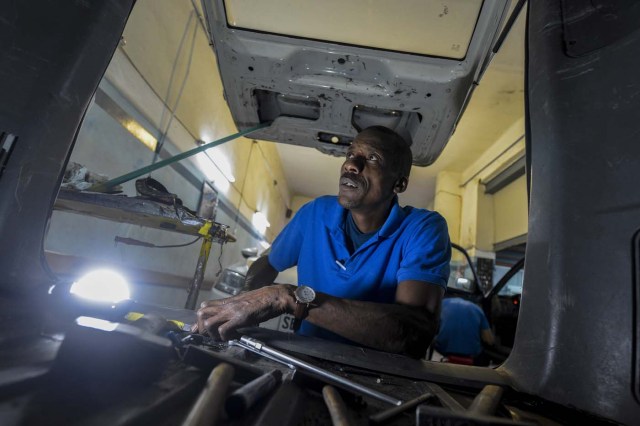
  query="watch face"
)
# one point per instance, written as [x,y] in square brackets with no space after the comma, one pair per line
[305,294]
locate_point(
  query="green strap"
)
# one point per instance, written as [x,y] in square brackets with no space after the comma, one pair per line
[103,187]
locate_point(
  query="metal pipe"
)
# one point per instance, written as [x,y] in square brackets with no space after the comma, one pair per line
[327,375]
[445,399]
[101,187]
[383,416]
[198,277]
[336,407]
[207,408]
[487,400]
[255,351]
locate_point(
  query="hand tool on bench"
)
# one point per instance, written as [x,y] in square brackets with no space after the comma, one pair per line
[327,376]
[383,416]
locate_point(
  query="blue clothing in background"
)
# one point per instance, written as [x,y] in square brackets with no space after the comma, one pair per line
[413,244]
[460,325]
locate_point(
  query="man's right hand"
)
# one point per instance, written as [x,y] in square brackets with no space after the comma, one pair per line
[221,318]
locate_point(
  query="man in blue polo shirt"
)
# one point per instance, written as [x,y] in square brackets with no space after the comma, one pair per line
[463,330]
[372,272]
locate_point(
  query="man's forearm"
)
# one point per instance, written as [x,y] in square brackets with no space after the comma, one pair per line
[389,327]
[260,273]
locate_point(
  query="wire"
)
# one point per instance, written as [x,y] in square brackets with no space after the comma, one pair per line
[275,181]
[201,20]
[173,110]
[220,261]
[134,242]
[244,181]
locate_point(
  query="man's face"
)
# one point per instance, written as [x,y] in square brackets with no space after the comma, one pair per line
[369,177]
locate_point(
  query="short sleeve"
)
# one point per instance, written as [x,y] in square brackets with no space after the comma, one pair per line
[285,250]
[427,252]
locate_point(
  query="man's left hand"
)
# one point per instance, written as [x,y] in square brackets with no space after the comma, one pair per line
[222,317]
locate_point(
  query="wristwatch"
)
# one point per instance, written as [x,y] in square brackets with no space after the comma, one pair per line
[304,295]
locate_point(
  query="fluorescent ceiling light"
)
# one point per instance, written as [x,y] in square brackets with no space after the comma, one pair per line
[141,134]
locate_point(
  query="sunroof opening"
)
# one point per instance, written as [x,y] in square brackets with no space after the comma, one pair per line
[440,28]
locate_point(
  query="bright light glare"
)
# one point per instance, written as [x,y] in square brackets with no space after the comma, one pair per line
[265,245]
[102,285]
[96,323]
[259,220]
[212,173]
[217,157]
[221,161]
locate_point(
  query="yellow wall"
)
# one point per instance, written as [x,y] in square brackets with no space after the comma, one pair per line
[448,202]
[166,47]
[478,220]
[510,207]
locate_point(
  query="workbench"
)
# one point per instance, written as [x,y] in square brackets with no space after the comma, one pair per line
[53,374]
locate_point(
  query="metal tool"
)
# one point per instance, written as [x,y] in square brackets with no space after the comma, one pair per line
[383,416]
[326,375]
[199,339]
[480,412]
[263,354]
[445,399]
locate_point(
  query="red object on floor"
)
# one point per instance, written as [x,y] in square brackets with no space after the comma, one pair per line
[457,359]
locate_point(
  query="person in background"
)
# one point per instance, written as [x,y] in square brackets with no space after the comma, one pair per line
[374,273]
[463,330]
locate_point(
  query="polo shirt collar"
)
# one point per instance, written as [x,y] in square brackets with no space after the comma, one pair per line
[396,216]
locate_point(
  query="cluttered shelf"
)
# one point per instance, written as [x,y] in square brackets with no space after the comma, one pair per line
[141,211]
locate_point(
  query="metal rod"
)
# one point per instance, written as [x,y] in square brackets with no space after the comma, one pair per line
[198,277]
[487,400]
[336,407]
[207,408]
[255,351]
[383,416]
[507,28]
[101,187]
[327,375]
[444,398]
